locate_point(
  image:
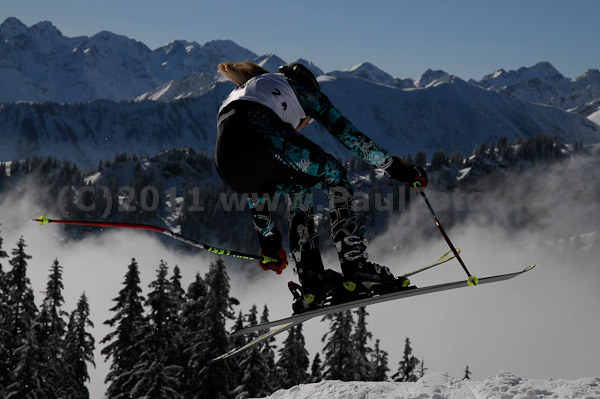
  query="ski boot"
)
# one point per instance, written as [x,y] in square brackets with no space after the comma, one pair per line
[316,283]
[363,276]
[317,291]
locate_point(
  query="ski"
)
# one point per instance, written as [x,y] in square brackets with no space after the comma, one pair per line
[271,333]
[447,256]
[282,325]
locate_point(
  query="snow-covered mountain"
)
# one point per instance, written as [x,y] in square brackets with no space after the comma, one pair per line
[449,114]
[595,116]
[543,84]
[502,78]
[428,77]
[504,385]
[39,64]
[193,85]
[89,132]
[367,71]
[437,111]
[370,72]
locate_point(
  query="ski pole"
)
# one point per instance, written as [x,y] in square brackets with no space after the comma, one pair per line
[43,220]
[473,280]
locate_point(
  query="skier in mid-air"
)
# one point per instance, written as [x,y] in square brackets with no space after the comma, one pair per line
[259,153]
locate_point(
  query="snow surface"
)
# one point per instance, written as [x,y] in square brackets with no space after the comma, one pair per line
[449,113]
[595,117]
[504,385]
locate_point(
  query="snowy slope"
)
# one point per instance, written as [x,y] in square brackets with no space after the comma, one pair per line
[504,385]
[590,110]
[192,85]
[595,117]
[90,132]
[448,114]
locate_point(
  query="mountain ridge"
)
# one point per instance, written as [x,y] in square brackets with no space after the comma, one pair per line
[180,93]
[38,63]
[451,115]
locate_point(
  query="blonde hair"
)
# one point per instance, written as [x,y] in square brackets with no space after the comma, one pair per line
[241,72]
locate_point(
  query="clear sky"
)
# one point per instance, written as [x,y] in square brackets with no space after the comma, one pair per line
[469,38]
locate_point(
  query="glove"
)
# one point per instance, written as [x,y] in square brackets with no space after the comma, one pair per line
[273,261]
[411,175]
[272,255]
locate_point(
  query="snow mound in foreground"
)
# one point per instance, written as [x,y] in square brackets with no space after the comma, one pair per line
[504,385]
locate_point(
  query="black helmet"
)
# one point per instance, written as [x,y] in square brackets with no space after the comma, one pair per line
[300,74]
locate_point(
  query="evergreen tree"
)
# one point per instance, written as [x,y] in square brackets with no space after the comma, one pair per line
[54,301]
[422,369]
[18,319]
[237,342]
[212,339]
[20,294]
[339,348]
[252,367]
[49,366]
[165,327]
[467,374]
[157,364]
[360,338]
[193,307]
[379,364]
[49,329]
[421,159]
[79,351]
[129,327]
[315,370]
[192,322]
[177,291]
[26,378]
[408,365]
[438,160]
[156,382]
[4,321]
[293,361]
[178,295]
[238,325]
[268,350]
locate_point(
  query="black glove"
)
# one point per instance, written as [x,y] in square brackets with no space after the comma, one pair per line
[272,255]
[411,175]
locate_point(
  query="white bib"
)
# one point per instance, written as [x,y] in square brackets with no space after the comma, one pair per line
[273,91]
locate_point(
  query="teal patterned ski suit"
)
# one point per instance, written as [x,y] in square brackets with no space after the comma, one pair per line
[259,154]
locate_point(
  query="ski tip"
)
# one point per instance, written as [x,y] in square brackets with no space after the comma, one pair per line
[449,254]
[42,220]
[528,268]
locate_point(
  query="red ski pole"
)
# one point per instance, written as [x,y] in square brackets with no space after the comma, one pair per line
[43,220]
[473,280]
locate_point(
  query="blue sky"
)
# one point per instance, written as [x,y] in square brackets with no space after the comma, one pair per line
[468,38]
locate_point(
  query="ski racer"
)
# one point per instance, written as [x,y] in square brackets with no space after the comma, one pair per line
[260,152]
